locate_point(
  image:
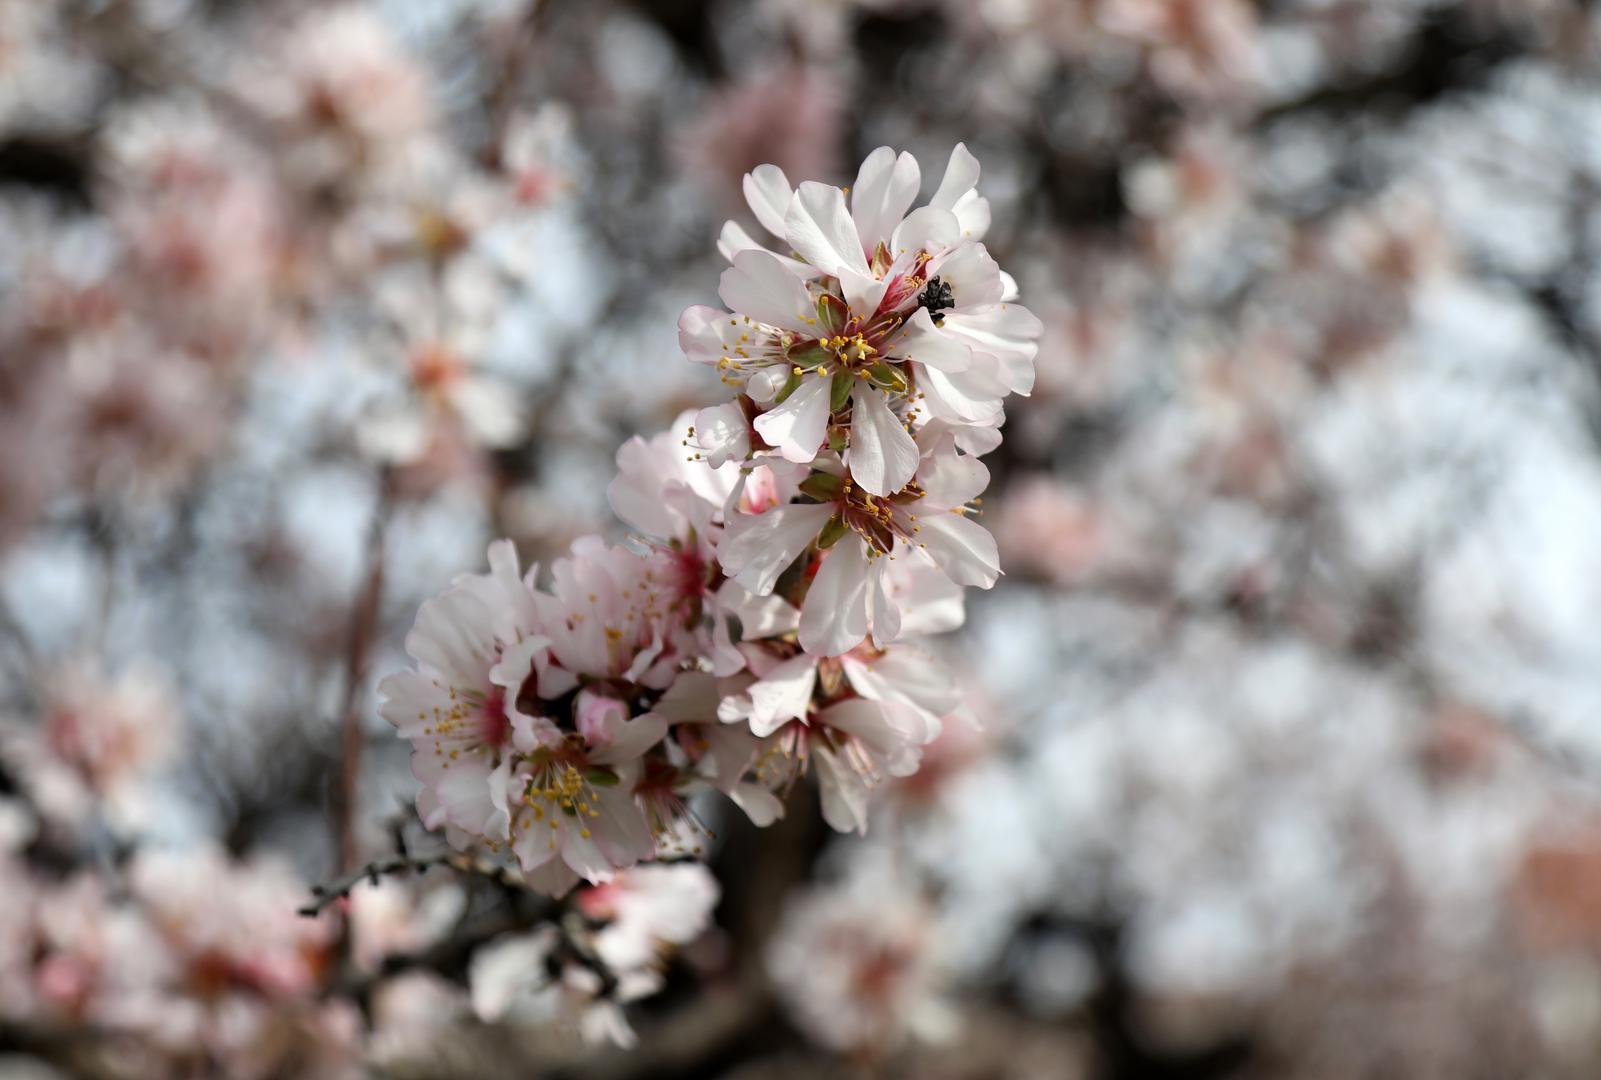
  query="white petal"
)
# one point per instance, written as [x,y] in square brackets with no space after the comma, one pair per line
[961,176]
[635,493]
[909,676]
[929,228]
[973,215]
[1008,332]
[701,333]
[885,189]
[843,793]
[949,479]
[784,694]
[924,343]
[760,805]
[723,434]
[760,286]
[798,426]
[756,549]
[863,292]
[958,398]
[767,191]
[454,638]
[963,549]
[974,277]
[885,611]
[820,229]
[734,239]
[928,601]
[759,616]
[883,457]
[834,616]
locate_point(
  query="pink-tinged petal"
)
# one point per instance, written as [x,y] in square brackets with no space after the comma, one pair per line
[926,344]
[757,548]
[949,479]
[885,611]
[963,549]
[583,854]
[929,228]
[760,805]
[820,230]
[910,676]
[635,493]
[410,701]
[761,616]
[798,426]
[516,663]
[784,694]
[472,794]
[453,638]
[768,193]
[701,333]
[844,795]
[723,435]
[625,740]
[885,188]
[834,616]
[929,602]
[883,457]
[692,699]
[761,287]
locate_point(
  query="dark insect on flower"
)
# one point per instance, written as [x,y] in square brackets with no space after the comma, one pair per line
[936,297]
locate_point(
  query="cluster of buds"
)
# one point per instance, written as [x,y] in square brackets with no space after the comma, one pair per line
[790,547]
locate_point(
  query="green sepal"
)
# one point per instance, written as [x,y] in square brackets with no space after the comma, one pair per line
[842,390]
[789,387]
[822,486]
[887,376]
[831,533]
[809,355]
[601,777]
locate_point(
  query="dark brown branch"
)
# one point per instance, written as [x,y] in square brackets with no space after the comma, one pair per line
[404,865]
[363,632]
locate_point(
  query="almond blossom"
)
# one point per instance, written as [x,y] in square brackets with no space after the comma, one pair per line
[726,647]
[884,320]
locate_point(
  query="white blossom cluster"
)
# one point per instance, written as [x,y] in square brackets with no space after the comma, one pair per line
[793,546]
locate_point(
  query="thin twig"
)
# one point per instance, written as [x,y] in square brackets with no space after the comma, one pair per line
[403,865]
[363,631]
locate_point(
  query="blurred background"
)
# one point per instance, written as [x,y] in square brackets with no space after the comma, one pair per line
[1291,695]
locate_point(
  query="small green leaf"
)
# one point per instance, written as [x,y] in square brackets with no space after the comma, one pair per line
[838,439]
[789,388]
[822,486]
[809,355]
[887,377]
[831,533]
[842,390]
[601,777]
